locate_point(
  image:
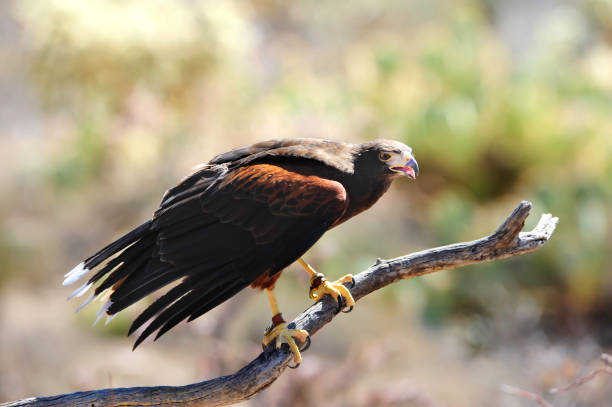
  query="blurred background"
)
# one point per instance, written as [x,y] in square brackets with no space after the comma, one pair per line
[105,104]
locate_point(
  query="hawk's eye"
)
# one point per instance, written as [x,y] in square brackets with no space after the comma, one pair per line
[384,156]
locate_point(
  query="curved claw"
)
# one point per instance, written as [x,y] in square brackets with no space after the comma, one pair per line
[352,283]
[312,294]
[305,348]
[340,301]
[348,310]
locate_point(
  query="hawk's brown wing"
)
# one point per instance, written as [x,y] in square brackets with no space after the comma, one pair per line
[218,235]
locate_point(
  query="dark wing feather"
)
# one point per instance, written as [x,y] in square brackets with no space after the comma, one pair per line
[230,230]
[159,304]
[200,180]
[193,289]
[222,294]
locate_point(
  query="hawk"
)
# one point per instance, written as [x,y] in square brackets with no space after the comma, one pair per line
[238,221]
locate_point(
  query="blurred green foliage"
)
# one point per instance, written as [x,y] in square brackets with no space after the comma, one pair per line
[142,88]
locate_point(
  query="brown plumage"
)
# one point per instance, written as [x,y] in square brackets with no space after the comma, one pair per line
[238,221]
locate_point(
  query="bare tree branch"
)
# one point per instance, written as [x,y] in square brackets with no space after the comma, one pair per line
[607,359]
[507,241]
[516,391]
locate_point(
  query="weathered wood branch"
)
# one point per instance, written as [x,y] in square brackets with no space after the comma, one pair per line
[507,241]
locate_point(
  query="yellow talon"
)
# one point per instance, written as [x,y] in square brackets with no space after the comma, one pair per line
[319,286]
[282,334]
[278,330]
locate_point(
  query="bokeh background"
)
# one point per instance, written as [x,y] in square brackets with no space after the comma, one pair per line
[105,104]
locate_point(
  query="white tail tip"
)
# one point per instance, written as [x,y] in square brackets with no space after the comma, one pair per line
[80,291]
[109,318]
[76,273]
[101,312]
[90,299]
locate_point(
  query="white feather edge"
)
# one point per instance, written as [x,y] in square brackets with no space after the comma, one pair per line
[109,318]
[80,291]
[101,312]
[90,299]
[105,295]
[76,273]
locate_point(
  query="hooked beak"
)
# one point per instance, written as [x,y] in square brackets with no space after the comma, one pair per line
[410,169]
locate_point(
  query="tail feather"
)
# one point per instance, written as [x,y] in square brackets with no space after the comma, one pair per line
[153,309]
[168,311]
[144,282]
[117,245]
[131,260]
[123,299]
[222,295]
[134,250]
[184,304]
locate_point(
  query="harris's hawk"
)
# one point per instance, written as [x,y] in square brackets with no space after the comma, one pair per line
[238,221]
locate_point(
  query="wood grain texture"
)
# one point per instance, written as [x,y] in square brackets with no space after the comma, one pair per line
[507,241]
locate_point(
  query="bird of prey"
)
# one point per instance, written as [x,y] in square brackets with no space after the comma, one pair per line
[238,221]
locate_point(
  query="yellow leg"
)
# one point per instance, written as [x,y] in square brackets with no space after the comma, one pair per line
[307,267]
[272,301]
[319,286]
[278,330]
